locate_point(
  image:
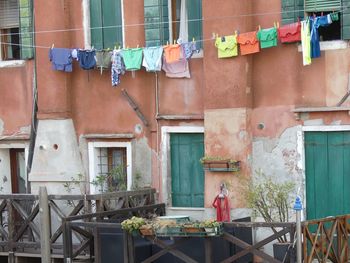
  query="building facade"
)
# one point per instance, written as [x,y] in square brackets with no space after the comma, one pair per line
[267,110]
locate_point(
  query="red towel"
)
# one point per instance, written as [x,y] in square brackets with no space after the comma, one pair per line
[222,209]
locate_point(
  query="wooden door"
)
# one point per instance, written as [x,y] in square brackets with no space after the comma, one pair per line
[327,159]
[187,174]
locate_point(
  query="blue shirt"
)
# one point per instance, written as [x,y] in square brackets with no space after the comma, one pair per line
[315,23]
[87,59]
[61,59]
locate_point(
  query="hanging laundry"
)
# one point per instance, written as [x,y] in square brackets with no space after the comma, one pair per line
[227,46]
[248,43]
[315,23]
[267,37]
[118,67]
[290,33]
[306,42]
[179,69]
[334,16]
[132,58]
[103,59]
[61,59]
[222,206]
[87,59]
[189,48]
[152,58]
[172,53]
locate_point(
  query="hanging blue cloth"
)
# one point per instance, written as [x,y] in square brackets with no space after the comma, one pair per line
[61,59]
[87,59]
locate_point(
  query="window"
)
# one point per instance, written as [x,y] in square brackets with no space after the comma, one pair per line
[16,29]
[106,23]
[13,174]
[110,166]
[168,20]
[294,9]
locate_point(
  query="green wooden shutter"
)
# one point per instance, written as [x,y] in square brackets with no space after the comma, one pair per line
[187,174]
[112,23]
[345,19]
[106,23]
[322,5]
[96,24]
[194,11]
[156,22]
[26,29]
[292,10]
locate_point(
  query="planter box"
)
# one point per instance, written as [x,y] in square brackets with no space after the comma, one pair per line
[284,251]
[222,166]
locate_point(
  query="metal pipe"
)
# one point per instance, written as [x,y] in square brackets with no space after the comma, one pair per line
[298,207]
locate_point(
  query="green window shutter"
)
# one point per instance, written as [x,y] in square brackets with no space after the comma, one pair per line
[345,19]
[106,23]
[112,23]
[322,5]
[292,10]
[96,24]
[156,22]
[26,28]
[194,11]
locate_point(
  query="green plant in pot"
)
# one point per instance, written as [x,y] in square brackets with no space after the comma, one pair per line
[272,200]
[211,226]
[133,224]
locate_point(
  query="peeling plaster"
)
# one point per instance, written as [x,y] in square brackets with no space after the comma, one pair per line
[142,171]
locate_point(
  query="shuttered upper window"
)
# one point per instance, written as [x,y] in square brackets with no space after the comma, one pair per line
[106,23]
[168,20]
[16,28]
[294,9]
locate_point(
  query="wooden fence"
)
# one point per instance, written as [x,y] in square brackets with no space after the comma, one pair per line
[20,224]
[326,240]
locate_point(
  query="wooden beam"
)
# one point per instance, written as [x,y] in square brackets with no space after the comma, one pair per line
[134,107]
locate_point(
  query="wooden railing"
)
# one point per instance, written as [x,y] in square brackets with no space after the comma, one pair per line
[88,231]
[20,224]
[72,225]
[326,240]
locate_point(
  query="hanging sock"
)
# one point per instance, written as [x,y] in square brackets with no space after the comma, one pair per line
[227,46]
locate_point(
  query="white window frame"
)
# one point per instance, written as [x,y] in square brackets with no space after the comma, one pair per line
[171,40]
[86,23]
[91,153]
[165,157]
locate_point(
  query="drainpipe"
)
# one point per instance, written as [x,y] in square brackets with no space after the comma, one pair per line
[158,148]
[34,122]
[298,207]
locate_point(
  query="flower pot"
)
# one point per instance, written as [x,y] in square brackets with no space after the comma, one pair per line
[284,251]
[146,231]
[210,231]
[192,229]
[222,165]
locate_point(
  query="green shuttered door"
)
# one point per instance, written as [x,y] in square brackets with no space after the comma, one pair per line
[26,29]
[194,10]
[327,157]
[187,175]
[345,19]
[106,23]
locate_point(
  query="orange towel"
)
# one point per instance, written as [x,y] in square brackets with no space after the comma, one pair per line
[248,43]
[172,53]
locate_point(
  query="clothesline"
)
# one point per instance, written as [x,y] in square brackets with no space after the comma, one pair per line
[166,22]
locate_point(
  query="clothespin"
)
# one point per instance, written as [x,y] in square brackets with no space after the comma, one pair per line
[119,47]
[53,45]
[236,33]
[174,42]
[213,35]
[321,13]
[274,24]
[259,27]
[278,24]
[137,46]
[193,39]
[167,43]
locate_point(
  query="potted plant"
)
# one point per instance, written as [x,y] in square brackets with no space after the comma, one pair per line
[272,201]
[220,164]
[133,224]
[192,227]
[211,227]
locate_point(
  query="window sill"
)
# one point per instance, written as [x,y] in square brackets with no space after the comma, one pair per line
[173,208]
[12,63]
[330,45]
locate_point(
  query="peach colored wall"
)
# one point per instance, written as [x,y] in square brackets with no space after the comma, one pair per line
[16,98]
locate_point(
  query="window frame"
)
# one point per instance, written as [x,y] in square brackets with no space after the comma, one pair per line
[171,26]
[87,23]
[93,165]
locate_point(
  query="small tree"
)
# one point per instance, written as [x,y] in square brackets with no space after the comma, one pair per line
[271,200]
